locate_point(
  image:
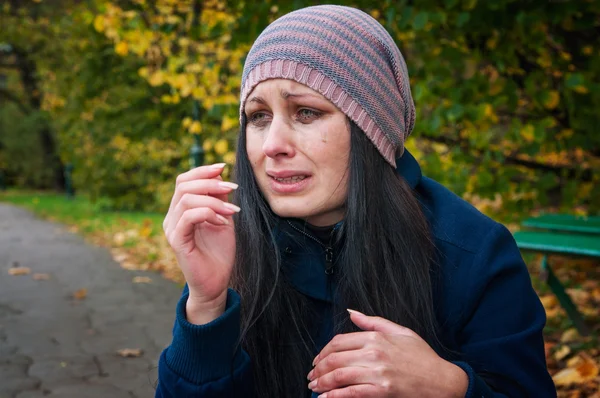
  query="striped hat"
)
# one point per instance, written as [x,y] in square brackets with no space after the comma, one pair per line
[348,57]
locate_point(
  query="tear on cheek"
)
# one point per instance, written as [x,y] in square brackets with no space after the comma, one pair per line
[324,136]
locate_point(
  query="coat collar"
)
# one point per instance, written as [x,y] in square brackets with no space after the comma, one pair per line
[304,258]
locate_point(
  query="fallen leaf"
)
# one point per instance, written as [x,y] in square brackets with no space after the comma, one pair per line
[596,294]
[549,301]
[41,277]
[588,369]
[19,271]
[579,297]
[562,353]
[80,294]
[569,335]
[142,279]
[129,265]
[119,239]
[585,371]
[548,347]
[120,257]
[590,311]
[130,352]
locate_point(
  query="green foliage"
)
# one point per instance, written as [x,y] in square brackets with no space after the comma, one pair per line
[507,92]
[20,152]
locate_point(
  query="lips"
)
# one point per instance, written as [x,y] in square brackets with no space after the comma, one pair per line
[288,181]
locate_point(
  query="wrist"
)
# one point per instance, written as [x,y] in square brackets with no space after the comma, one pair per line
[456,381]
[200,311]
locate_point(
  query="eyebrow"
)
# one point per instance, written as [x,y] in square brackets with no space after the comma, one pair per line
[284,94]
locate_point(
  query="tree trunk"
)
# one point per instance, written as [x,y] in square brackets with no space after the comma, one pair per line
[28,72]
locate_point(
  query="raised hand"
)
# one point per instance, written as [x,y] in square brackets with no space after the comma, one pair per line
[199,228]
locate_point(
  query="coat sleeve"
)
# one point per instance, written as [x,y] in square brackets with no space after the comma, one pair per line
[203,360]
[501,340]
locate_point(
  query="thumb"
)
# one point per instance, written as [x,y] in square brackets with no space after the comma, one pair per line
[377,324]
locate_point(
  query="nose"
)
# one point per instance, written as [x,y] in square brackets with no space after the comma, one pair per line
[279,139]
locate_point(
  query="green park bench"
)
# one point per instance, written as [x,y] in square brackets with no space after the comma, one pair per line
[565,235]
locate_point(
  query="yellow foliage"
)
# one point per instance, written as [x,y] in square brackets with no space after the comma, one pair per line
[587,50]
[229,158]
[157,78]
[221,146]
[544,60]
[143,72]
[186,122]
[195,127]
[207,145]
[496,88]
[565,133]
[527,132]
[99,23]
[122,48]
[228,123]
[490,114]
[581,89]
[552,100]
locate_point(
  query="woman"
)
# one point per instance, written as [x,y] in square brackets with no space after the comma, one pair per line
[333,214]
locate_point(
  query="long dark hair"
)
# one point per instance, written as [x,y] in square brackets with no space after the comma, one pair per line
[386,271]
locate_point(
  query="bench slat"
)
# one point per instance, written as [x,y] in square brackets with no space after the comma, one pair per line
[582,245]
[565,222]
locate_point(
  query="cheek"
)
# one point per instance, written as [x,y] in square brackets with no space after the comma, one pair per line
[253,148]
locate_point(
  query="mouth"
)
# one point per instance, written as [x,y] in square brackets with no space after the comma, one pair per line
[289,180]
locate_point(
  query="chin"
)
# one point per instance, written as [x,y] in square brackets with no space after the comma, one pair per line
[289,210]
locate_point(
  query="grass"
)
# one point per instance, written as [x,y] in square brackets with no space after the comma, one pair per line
[79,211]
[136,239]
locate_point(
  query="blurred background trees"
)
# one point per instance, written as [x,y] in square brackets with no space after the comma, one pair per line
[507,94]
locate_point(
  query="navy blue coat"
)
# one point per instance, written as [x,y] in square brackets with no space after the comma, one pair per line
[485,304]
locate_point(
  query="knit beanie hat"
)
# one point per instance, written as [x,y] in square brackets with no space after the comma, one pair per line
[348,57]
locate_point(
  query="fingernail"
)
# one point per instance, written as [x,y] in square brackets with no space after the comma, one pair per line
[227,184]
[310,375]
[218,165]
[315,360]
[223,219]
[231,206]
[312,384]
[322,396]
[355,312]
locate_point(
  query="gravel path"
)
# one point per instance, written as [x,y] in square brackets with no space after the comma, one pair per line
[54,345]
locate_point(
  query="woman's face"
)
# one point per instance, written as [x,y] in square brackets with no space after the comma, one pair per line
[298,143]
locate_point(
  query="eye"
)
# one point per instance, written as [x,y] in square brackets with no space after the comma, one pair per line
[258,118]
[306,114]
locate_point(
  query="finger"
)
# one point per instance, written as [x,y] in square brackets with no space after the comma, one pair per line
[191,201]
[189,219]
[337,360]
[361,390]
[200,173]
[213,187]
[343,377]
[347,342]
[378,324]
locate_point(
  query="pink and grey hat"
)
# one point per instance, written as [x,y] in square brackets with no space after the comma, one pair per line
[348,57]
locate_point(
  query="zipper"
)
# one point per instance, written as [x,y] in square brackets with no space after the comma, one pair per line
[328,249]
